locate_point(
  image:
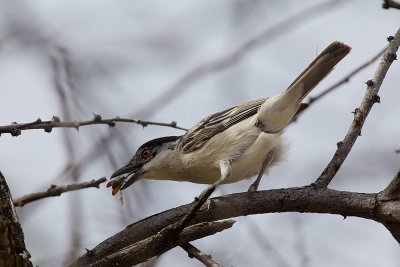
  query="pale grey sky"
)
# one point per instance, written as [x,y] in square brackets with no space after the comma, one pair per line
[123,54]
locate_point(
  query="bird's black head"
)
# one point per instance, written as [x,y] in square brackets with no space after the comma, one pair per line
[134,169]
[150,149]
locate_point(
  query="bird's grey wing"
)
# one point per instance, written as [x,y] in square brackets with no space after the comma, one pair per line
[199,134]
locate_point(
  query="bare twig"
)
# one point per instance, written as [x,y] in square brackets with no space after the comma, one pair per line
[346,78]
[390,4]
[154,245]
[194,252]
[64,85]
[15,128]
[360,114]
[54,191]
[392,191]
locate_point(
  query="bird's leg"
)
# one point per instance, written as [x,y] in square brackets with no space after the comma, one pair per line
[270,157]
[225,167]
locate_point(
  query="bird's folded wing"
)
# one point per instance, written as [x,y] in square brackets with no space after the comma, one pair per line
[199,134]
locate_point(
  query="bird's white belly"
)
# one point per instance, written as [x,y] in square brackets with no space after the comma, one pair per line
[249,164]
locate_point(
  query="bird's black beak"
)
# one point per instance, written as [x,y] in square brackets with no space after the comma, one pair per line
[132,171]
[128,169]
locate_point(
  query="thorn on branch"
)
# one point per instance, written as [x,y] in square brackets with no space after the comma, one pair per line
[370,83]
[48,129]
[55,119]
[339,144]
[390,38]
[355,111]
[143,123]
[89,252]
[96,118]
[376,99]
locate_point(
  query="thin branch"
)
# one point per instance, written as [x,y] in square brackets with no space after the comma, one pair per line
[154,245]
[392,191]
[64,85]
[304,199]
[360,114]
[390,4]
[54,191]
[15,128]
[346,78]
[194,252]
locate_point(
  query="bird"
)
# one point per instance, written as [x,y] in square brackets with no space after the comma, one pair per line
[235,144]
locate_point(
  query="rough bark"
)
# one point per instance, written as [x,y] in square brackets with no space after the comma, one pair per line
[12,246]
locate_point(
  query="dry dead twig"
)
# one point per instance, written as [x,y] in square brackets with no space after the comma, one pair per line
[194,252]
[55,191]
[15,128]
[360,114]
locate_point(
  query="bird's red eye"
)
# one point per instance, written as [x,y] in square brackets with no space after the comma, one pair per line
[146,153]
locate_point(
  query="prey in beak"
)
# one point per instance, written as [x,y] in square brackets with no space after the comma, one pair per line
[125,177]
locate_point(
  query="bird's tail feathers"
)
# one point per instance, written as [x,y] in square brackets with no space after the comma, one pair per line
[278,111]
[318,70]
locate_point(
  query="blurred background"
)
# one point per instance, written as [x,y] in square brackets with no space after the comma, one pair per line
[181,61]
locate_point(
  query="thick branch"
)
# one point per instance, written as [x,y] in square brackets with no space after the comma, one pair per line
[360,114]
[55,191]
[12,246]
[154,245]
[304,199]
[194,252]
[15,128]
